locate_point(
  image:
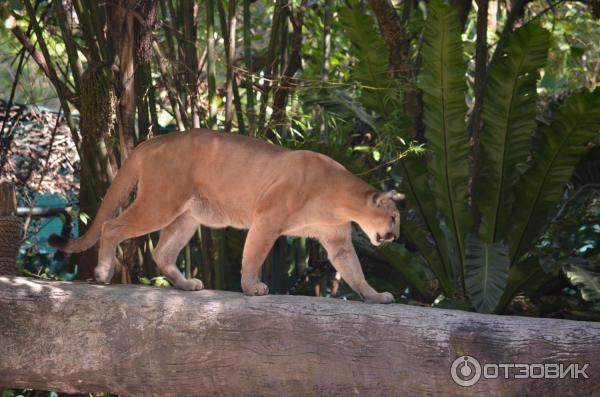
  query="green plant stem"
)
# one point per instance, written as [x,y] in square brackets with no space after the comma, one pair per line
[210,60]
[228,32]
[249,81]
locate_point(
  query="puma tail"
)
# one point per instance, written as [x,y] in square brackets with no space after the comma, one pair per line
[115,197]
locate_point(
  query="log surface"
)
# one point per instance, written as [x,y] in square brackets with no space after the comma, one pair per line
[133,340]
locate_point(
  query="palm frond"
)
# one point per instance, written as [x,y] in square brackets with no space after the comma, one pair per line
[539,190]
[509,121]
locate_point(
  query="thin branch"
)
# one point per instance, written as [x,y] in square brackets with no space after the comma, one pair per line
[69,44]
[228,31]
[43,172]
[248,60]
[43,61]
[514,13]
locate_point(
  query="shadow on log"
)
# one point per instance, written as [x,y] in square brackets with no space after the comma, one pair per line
[132,340]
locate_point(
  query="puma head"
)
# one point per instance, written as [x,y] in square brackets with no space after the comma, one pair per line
[382,223]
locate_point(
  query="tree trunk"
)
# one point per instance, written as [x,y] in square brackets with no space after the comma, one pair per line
[398,42]
[97,110]
[463,7]
[190,57]
[10,229]
[132,340]
[294,62]
[230,55]
[248,63]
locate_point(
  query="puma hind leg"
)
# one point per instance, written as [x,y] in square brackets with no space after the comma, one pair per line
[137,220]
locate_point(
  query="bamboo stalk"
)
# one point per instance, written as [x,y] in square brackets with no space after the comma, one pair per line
[152,108]
[88,35]
[70,45]
[126,82]
[105,46]
[293,62]
[206,251]
[172,55]
[230,59]
[142,89]
[65,95]
[328,13]
[210,60]
[190,52]
[188,262]
[279,267]
[270,63]
[230,51]
[6,139]
[42,58]
[219,262]
[172,94]
[250,112]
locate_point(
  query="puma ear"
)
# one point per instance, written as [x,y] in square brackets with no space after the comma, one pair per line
[397,197]
[378,197]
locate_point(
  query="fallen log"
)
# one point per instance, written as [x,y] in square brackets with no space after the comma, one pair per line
[133,340]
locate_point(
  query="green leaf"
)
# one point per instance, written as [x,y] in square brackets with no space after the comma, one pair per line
[160,281]
[576,52]
[413,176]
[527,277]
[442,80]
[584,276]
[84,217]
[539,190]
[486,272]
[509,111]
[370,50]
[411,265]
[418,236]
[587,171]
[341,100]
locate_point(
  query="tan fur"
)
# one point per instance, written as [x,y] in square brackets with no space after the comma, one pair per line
[202,177]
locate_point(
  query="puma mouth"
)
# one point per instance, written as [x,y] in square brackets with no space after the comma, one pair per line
[384,239]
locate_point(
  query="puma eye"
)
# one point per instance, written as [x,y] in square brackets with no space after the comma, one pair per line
[393,218]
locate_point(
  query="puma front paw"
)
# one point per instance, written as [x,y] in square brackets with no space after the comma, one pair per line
[103,273]
[192,284]
[256,289]
[383,297]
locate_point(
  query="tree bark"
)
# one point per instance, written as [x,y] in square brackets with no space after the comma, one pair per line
[190,57]
[132,340]
[248,63]
[144,91]
[395,35]
[294,63]
[397,40]
[271,61]
[463,7]
[10,229]
[230,48]
[124,18]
